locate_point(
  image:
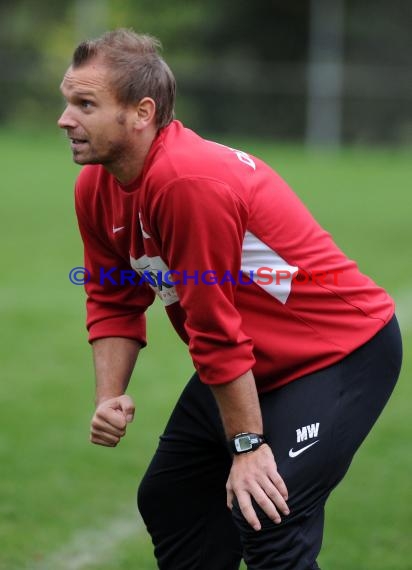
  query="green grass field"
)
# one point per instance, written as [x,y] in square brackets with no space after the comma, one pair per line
[65,504]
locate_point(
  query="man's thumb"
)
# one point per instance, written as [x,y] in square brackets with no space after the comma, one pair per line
[127,407]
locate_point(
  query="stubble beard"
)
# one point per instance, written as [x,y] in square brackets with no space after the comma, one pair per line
[115,153]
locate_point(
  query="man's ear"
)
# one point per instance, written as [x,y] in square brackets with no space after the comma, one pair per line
[145,113]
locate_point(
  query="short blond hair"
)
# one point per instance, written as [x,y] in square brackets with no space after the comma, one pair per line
[136,69]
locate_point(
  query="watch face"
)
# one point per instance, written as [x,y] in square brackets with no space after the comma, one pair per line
[243,443]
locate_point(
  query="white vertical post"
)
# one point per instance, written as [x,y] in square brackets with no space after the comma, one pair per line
[325,73]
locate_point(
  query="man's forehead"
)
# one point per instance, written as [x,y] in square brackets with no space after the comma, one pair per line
[91,77]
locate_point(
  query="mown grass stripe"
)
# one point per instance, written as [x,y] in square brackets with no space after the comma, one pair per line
[89,547]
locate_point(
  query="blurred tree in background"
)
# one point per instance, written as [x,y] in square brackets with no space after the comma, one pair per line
[242,67]
[25,29]
[378,75]
[252,76]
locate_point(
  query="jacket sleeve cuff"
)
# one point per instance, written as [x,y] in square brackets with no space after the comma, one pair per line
[129,326]
[227,369]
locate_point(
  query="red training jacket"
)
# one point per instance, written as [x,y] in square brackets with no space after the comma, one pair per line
[248,278]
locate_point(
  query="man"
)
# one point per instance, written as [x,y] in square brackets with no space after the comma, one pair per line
[296,352]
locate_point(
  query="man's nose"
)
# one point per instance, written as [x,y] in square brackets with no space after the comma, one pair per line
[66,120]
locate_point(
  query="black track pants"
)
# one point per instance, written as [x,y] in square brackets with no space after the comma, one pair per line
[314,426]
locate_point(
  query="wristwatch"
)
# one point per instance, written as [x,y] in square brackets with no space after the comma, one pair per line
[244,442]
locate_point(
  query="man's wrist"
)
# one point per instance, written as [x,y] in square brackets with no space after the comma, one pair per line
[246,442]
[104,397]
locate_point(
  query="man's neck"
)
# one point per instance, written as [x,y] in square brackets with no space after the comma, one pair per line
[130,166]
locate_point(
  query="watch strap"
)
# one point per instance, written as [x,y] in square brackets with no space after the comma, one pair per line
[245,442]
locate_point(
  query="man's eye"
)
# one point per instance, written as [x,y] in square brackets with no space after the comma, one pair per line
[86,104]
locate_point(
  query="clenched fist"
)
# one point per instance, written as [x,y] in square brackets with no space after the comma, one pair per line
[110,420]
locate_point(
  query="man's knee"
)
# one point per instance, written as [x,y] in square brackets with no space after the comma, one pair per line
[147,497]
[294,543]
[242,524]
